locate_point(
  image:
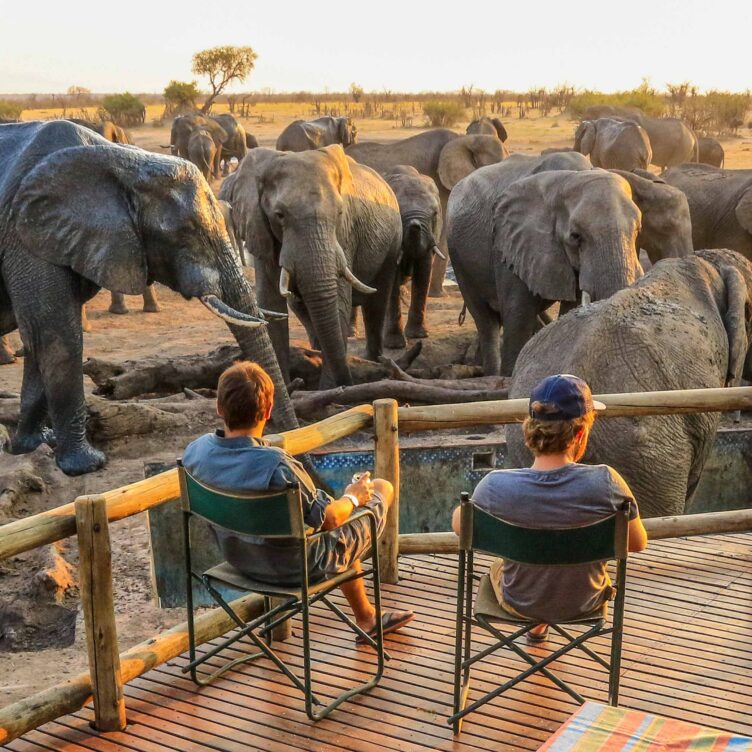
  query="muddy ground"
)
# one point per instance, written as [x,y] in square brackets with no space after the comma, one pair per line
[44,581]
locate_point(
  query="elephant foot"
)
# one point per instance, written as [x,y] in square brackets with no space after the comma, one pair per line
[81,460]
[118,308]
[437,293]
[6,357]
[28,442]
[394,341]
[151,308]
[416,332]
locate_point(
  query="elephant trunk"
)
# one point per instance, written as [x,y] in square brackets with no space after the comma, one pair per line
[255,343]
[612,267]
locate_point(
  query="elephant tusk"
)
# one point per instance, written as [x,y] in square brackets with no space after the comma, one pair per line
[356,283]
[230,315]
[585,298]
[284,283]
[272,315]
[436,250]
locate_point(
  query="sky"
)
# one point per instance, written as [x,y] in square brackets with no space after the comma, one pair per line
[400,45]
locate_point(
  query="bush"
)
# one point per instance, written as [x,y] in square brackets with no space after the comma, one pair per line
[649,101]
[443,114]
[124,109]
[10,110]
[715,112]
[181,96]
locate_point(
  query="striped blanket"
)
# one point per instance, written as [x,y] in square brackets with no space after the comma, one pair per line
[600,728]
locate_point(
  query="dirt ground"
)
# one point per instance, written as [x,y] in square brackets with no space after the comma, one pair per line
[33,483]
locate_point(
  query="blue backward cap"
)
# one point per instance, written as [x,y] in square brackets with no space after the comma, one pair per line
[570,395]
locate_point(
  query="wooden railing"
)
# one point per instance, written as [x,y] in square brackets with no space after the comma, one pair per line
[88,517]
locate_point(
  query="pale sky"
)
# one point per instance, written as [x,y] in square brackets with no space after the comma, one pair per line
[402,45]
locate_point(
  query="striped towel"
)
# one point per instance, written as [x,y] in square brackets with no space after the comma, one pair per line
[600,728]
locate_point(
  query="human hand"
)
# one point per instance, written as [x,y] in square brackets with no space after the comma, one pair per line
[362,489]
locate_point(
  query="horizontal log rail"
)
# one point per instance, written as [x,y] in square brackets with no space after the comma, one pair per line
[499,412]
[658,528]
[59,523]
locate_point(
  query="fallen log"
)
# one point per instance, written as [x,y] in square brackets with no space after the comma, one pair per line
[472,383]
[309,403]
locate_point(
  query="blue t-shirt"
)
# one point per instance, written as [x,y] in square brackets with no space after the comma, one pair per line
[569,496]
[242,464]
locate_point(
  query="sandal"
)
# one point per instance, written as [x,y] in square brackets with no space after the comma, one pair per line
[534,639]
[389,623]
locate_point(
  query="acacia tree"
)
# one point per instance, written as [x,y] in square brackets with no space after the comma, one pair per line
[223,65]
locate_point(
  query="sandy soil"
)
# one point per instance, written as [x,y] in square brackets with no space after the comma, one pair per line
[181,328]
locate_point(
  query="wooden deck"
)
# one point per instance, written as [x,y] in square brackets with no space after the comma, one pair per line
[687,655]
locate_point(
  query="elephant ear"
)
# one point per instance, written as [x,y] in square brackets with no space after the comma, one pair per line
[584,137]
[343,132]
[736,322]
[500,129]
[744,210]
[251,224]
[465,154]
[74,209]
[525,238]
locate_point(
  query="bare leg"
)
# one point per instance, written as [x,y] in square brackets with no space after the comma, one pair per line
[151,304]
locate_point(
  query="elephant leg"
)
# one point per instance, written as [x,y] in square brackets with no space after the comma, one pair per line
[374,311]
[393,336]
[436,289]
[85,323]
[353,329]
[32,429]
[304,317]
[117,303]
[488,324]
[416,317]
[7,356]
[520,309]
[267,294]
[151,304]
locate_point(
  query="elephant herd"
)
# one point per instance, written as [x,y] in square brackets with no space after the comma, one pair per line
[335,224]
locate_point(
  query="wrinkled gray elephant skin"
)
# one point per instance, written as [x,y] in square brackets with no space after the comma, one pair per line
[202,151]
[303,135]
[533,230]
[614,144]
[325,233]
[710,151]
[78,213]
[720,204]
[420,210]
[442,155]
[182,128]
[684,325]
[489,126]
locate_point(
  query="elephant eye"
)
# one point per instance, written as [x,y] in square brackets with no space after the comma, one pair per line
[279,214]
[575,238]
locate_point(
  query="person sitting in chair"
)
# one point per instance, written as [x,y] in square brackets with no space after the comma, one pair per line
[238,460]
[555,492]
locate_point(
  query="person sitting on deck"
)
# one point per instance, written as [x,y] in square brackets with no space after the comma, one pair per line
[237,459]
[555,492]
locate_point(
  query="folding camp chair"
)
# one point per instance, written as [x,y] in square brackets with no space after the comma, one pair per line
[277,514]
[481,531]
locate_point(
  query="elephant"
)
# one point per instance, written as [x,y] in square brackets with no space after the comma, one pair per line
[710,152]
[180,134]
[596,111]
[720,203]
[442,155]
[303,135]
[673,142]
[236,144]
[420,210]
[489,126]
[202,151]
[684,325]
[78,213]
[106,128]
[313,220]
[251,141]
[614,144]
[666,230]
[533,230]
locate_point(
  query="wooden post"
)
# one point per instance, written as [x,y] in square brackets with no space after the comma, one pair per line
[386,437]
[95,574]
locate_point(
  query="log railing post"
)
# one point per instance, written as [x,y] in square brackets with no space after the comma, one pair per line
[95,575]
[386,437]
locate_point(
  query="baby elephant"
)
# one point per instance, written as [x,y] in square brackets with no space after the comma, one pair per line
[202,151]
[420,211]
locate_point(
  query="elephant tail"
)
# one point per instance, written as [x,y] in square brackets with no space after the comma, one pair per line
[463,315]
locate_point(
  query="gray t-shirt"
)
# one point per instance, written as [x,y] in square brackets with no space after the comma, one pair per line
[569,496]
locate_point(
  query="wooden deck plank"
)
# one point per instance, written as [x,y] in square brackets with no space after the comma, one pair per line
[686,656]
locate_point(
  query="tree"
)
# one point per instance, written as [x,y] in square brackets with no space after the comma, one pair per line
[78,91]
[124,109]
[223,65]
[356,92]
[181,96]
